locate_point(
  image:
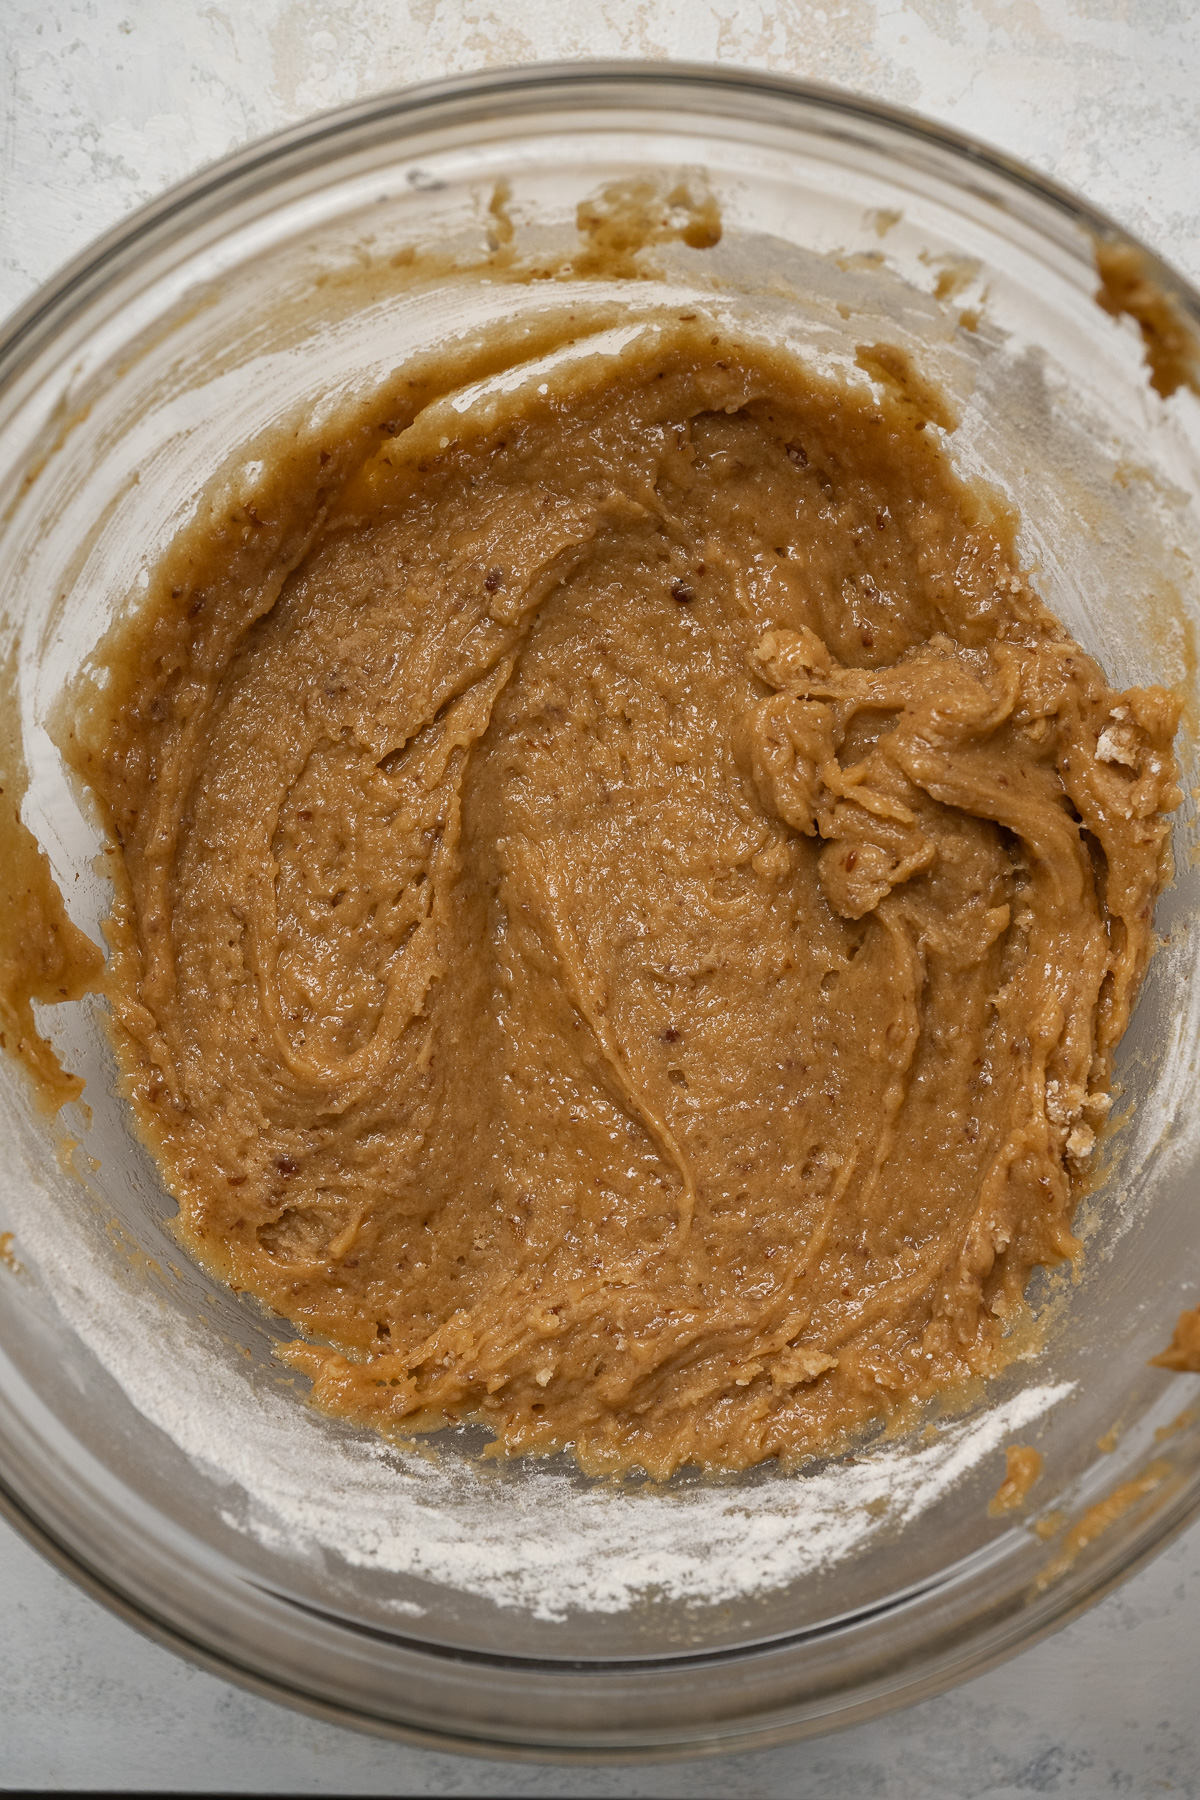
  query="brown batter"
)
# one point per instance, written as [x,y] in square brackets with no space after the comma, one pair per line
[1182,1354]
[1097,1520]
[43,956]
[630,901]
[1022,1468]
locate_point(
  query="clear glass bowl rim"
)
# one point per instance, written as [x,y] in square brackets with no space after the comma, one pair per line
[253,171]
[258,165]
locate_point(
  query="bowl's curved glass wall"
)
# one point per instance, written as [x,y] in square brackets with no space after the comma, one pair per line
[147,1432]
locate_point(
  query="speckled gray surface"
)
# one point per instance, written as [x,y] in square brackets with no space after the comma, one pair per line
[104,103]
[1107,1707]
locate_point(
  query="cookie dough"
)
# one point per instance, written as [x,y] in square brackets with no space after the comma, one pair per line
[1182,1354]
[1023,1467]
[628,901]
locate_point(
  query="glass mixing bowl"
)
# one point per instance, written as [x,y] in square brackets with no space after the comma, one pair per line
[149,1439]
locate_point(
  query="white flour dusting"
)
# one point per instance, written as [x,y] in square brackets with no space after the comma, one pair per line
[544,1542]
[548,1547]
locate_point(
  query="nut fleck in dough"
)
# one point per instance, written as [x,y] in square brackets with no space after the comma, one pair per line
[629,903]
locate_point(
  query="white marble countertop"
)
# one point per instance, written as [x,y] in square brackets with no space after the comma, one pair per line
[105,103]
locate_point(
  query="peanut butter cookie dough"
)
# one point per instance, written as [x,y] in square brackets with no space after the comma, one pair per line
[628,901]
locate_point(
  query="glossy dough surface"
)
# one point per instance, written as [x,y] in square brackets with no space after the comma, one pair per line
[626,910]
